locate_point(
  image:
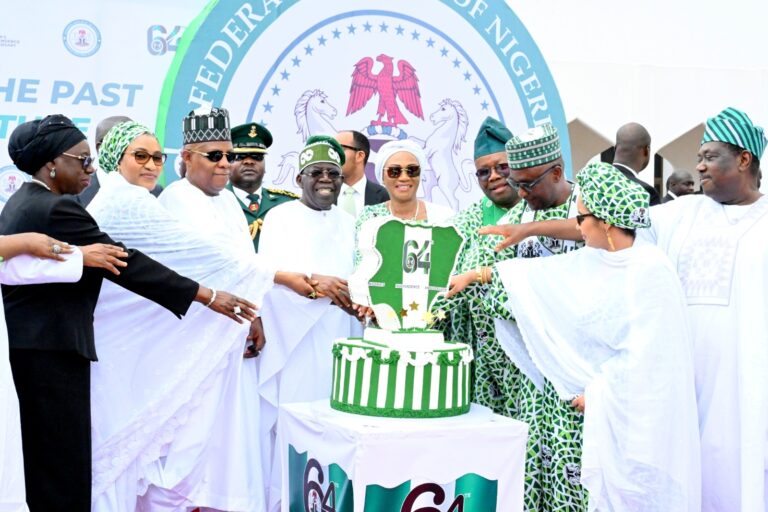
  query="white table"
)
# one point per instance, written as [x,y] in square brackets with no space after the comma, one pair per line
[339,462]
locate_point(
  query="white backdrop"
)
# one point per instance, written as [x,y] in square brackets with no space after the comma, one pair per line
[285,63]
[667,65]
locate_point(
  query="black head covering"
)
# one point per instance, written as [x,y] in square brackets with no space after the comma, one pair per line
[34,143]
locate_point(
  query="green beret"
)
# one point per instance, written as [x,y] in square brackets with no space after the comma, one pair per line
[491,137]
[251,138]
[321,148]
[537,146]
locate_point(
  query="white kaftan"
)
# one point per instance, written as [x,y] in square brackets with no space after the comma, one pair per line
[721,255]
[296,364]
[611,325]
[18,271]
[173,405]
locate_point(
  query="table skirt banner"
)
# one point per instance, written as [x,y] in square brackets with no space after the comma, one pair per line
[338,462]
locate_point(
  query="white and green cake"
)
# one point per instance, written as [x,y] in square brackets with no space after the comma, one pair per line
[402,369]
[410,375]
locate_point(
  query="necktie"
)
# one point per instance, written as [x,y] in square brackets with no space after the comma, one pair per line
[254,202]
[347,201]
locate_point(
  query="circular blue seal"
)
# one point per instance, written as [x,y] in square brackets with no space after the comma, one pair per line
[81,38]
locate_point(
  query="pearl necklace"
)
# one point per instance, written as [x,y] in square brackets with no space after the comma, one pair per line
[418,205]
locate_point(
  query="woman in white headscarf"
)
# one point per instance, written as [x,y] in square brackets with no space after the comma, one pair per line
[399,164]
[174,421]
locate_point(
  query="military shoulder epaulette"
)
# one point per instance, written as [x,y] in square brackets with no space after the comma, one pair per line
[281,192]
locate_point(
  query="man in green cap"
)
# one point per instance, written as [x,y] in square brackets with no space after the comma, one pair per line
[553,466]
[718,244]
[317,238]
[250,142]
[468,322]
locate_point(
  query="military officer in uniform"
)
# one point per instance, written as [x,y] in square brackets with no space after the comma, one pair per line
[250,143]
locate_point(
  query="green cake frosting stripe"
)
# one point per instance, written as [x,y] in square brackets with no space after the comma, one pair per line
[387,382]
[360,374]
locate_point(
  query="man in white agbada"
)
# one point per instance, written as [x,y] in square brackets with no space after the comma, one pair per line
[603,324]
[718,243]
[173,402]
[315,237]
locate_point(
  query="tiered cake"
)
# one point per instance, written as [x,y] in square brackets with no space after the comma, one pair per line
[402,369]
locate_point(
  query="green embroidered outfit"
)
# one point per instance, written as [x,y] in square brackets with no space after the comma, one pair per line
[553,463]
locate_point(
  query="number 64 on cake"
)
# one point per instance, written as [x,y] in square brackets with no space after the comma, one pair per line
[402,368]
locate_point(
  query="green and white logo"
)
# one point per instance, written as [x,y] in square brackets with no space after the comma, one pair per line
[404,267]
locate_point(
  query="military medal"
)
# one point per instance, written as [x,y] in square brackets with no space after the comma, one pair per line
[254,207]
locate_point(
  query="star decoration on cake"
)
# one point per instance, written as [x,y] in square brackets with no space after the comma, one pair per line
[428,317]
[440,314]
[403,312]
[414,306]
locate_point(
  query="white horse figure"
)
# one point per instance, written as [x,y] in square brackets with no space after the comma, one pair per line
[442,147]
[313,115]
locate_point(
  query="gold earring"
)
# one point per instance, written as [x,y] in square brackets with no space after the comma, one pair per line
[610,240]
[52,174]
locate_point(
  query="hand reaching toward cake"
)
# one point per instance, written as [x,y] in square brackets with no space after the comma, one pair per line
[334,288]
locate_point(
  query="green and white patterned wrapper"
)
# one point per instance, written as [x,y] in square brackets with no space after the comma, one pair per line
[376,380]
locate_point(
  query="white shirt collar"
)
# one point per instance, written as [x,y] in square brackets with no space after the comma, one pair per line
[358,187]
[634,172]
[242,195]
[672,194]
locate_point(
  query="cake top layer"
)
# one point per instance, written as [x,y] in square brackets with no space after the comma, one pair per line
[404,267]
[405,346]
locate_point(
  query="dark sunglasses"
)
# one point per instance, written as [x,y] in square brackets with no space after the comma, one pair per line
[85,160]
[259,157]
[484,173]
[215,156]
[143,157]
[580,217]
[333,174]
[351,148]
[395,171]
[529,186]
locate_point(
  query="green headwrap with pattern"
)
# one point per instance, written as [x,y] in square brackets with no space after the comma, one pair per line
[115,142]
[613,197]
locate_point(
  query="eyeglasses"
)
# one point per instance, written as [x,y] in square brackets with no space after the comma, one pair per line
[85,160]
[528,186]
[395,171]
[580,217]
[484,173]
[333,174]
[215,156]
[255,156]
[351,148]
[143,157]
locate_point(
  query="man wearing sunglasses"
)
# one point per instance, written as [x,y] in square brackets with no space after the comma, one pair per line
[357,190]
[495,375]
[250,142]
[537,172]
[313,236]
